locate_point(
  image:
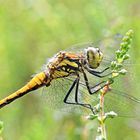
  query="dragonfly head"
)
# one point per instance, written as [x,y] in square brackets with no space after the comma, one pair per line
[93,57]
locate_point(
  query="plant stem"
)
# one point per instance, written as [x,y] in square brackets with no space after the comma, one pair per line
[102,124]
[102,116]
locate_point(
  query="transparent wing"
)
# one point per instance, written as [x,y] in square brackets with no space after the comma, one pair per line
[107,42]
[122,100]
[108,46]
[54,95]
[125,105]
[119,102]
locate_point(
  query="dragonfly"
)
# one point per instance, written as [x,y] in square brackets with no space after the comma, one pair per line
[71,69]
[63,65]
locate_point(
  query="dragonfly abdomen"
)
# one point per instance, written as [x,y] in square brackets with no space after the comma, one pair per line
[36,82]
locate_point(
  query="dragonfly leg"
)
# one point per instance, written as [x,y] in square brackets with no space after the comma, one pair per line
[96,87]
[97,73]
[76,82]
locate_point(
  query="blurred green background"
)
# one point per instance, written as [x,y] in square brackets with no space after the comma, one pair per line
[30,32]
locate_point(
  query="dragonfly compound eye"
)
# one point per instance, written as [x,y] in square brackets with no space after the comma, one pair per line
[93,57]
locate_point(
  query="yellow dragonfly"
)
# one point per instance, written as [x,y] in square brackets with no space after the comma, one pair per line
[65,65]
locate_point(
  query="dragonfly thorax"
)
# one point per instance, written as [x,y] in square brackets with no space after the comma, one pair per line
[93,57]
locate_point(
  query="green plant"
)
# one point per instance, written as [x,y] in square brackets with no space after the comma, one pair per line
[116,70]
